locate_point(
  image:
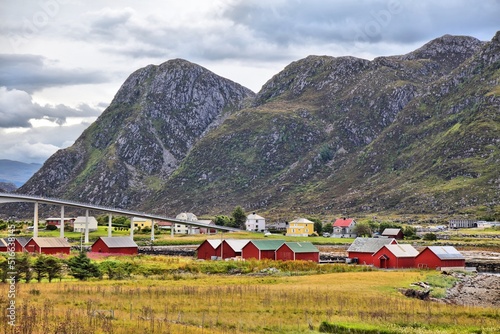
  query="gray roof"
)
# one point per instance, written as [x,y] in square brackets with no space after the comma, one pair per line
[3,242]
[402,250]
[23,240]
[391,231]
[118,242]
[237,244]
[369,245]
[51,242]
[446,252]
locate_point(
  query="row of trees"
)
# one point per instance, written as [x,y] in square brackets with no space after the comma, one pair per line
[237,219]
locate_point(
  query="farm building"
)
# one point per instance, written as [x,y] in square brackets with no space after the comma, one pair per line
[435,257]
[395,233]
[362,249]
[300,227]
[231,247]
[20,243]
[343,228]
[261,249]
[186,229]
[208,249]
[3,244]
[395,256]
[255,222]
[297,251]
[115,245]
[207,230]
[57,221]
[80,224]
[47,245]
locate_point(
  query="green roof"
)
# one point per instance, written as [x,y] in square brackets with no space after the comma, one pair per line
[302,247]
[267,244]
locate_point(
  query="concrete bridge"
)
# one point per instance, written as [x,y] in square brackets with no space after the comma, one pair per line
[12,198]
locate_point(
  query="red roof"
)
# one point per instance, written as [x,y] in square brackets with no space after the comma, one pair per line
[343,222]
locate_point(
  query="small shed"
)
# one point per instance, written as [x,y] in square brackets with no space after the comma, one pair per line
[362,249]
[230,248]
[297,251]
[261,249]
[115,245]
[395,256]
[395,233]
[208,249]
[435,257]
[20,243]
[3,244]
[48,245]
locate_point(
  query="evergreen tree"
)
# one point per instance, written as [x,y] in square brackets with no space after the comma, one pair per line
[82,268]
[40,268]
[53,267]
[239,217]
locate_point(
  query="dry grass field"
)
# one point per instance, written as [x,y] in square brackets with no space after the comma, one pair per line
[193,302]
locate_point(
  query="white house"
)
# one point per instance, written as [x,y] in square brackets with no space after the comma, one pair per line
[79,224]
[186,229]
[255,223]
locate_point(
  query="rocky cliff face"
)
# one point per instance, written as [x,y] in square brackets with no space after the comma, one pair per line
[408,133]
[156,117]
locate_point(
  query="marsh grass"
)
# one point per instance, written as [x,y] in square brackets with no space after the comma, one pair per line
[208,303]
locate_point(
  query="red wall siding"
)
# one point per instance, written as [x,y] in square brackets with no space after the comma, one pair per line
[227,251]
[206,251]
[284,253]
[307,256]
[363,258]
[18,246]
[250,251]
[268,254]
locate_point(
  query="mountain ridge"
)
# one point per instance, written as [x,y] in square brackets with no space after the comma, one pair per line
[325,135]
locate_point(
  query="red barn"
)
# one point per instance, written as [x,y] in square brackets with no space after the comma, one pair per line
[261,249]
[435,257]
[362,249]
[208,249]
[395,256]
[115,245]
[20,243]
[231,248]
[48,245]
[297,251]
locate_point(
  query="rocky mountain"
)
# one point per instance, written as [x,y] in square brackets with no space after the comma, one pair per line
[415,133]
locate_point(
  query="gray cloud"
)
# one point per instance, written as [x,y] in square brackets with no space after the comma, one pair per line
[17,109]
[33,73]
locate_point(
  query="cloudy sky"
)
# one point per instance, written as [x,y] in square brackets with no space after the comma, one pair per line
[62,61]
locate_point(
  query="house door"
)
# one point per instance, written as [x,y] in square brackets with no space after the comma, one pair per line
[384,261]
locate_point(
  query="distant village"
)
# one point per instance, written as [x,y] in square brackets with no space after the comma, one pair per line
[385,250]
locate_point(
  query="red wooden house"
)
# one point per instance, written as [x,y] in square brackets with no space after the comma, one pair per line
[362,249]
[207,249]
[115,245]
[435,257]
[48,245]
[20,243]
[230,248]
[261,249]
[297,251]
[395,233]
[395,256]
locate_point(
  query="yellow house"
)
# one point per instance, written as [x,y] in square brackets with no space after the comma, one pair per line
[300,227]
[142,222]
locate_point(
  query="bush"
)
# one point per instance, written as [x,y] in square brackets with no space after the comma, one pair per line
[430,237]
[51,227]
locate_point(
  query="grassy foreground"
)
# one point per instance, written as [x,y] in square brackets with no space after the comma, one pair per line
[194,302]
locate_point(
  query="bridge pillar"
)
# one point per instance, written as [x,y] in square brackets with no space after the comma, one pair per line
[172,227]
[110,221]
[132,228]
[61,226]
[86,226]
[152,229]
[35,221]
